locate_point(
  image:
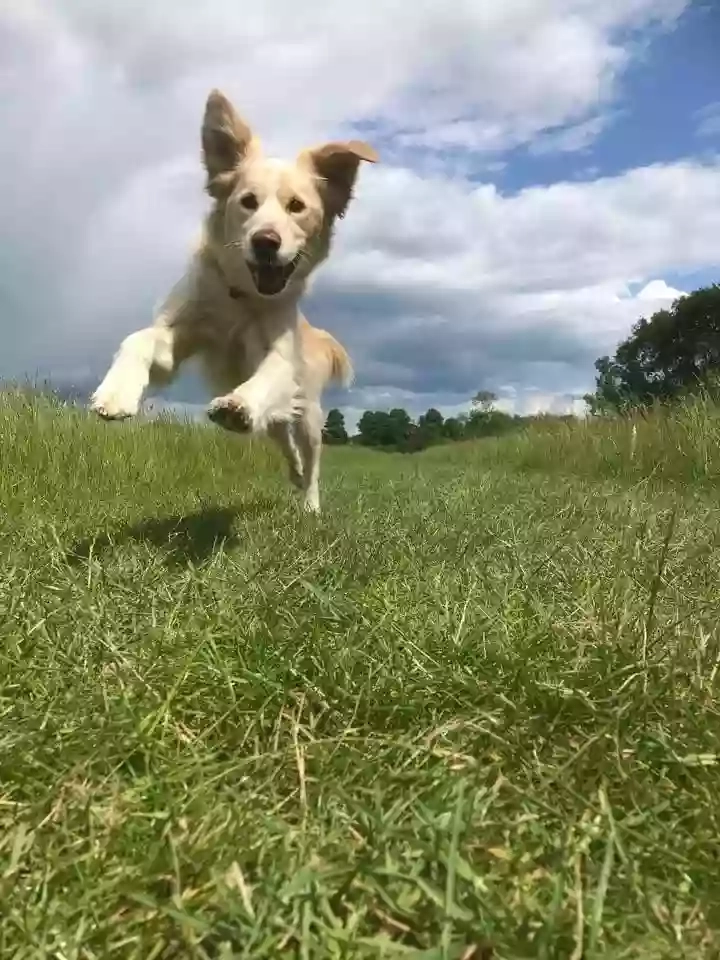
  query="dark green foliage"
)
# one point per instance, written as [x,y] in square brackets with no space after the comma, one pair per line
[396,430]
[334,431]
[675,352]
[454,428]
[430,429]
[377,428]
[491,423]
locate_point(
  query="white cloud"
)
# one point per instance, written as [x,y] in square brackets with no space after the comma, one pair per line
[517,67]
[539,280]
[435,234]
[439,285]
[658,291]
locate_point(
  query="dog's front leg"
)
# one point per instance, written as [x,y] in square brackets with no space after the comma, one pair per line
[150,356]
[270,395]
[144,356]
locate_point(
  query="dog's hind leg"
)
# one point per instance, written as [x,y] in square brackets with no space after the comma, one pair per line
[284,436]
[309,436]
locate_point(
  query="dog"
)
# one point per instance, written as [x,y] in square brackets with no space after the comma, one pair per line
[236,308]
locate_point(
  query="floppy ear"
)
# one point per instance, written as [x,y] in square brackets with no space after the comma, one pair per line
[337,164]
[225,140]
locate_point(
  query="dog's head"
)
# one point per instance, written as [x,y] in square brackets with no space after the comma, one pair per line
[273,220]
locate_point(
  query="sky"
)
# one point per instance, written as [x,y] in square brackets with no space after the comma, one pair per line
[550,172]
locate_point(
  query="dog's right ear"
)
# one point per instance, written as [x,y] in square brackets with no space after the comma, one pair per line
[225,141]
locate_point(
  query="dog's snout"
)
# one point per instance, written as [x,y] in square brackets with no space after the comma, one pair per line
[266,243]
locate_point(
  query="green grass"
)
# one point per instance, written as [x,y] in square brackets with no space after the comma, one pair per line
[471,711]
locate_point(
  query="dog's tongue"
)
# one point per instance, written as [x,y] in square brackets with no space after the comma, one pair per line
[270,279]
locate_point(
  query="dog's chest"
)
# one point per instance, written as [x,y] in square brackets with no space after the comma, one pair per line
[233,345]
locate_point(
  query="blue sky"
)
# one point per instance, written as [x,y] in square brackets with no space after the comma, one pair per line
[671,76]
[550,172]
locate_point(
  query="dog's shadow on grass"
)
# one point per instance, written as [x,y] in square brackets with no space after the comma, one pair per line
[183,538]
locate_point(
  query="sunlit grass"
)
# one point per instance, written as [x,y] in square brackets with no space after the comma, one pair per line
[472,707]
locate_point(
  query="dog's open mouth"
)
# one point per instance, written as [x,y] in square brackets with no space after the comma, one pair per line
[272,278]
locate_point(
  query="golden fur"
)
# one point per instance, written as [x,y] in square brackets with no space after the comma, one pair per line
[236,308]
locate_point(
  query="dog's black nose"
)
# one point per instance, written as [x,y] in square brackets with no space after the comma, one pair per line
[265,244]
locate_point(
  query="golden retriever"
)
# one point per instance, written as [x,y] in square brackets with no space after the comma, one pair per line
[236,308]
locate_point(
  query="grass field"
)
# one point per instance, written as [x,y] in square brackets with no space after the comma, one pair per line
[471,711]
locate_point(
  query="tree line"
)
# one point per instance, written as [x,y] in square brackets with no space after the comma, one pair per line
[396,430]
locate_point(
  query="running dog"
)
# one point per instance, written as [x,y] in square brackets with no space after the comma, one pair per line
[236,308]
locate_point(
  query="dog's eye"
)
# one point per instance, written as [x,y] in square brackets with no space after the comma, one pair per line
[295,205]
[249,201]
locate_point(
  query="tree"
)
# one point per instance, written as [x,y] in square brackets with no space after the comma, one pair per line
[380,429]
[370,428]
[490,423]
[611,393]
[676,351]
[454,428]
[484,421]
[430,428]
[433,418]
[483,400]
[400,426]
[334,431]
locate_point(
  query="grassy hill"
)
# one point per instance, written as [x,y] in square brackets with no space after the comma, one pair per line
[473,707]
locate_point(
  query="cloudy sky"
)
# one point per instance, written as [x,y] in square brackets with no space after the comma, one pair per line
[550,172]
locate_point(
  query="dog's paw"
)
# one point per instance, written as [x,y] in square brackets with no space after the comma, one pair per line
[113,404]
[228,412]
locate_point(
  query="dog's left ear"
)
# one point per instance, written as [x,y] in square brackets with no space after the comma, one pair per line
[337,165]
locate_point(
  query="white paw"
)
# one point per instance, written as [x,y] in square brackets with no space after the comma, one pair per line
[311,505]
[230,413]
[114,404]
